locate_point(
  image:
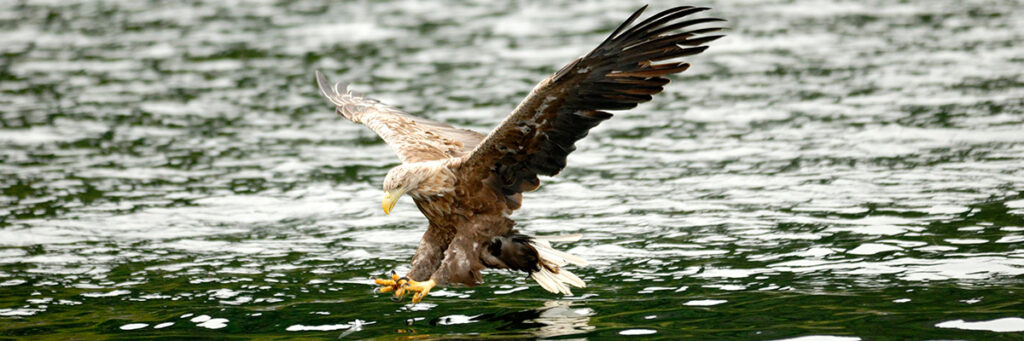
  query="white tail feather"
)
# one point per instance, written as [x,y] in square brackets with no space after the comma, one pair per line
[545,281]
[555,256]
[551,276]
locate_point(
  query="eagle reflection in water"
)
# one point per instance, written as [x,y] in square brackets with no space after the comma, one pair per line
[555,318]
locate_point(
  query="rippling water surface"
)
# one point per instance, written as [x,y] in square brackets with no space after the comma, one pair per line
[849,169]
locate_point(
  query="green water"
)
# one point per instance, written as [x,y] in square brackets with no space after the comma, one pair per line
[841,169]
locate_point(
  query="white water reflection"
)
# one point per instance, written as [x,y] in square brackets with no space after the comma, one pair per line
[560,318]
[822,338]
[633,332]
[1001,325]
[704,303]
[134,326]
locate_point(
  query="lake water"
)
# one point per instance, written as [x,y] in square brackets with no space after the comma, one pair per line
[831,170]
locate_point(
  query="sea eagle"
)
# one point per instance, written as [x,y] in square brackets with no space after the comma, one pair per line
[467,184]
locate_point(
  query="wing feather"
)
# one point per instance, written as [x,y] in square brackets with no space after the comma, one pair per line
[617,75]
[414,139]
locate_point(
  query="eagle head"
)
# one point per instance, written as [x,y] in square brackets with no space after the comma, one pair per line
[398,181]
[419,179]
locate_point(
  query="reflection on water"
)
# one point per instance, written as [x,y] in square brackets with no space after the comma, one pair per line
[555,318]
[830,169]
[1003,325]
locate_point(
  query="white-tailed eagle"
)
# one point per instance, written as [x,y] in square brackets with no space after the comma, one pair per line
[467,184]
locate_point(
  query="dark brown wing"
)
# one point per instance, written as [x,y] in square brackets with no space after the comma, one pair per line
[620,73]
[414,139]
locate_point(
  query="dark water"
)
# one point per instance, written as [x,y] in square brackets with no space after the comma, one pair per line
[835,168]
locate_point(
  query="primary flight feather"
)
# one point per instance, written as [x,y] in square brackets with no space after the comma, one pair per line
[468,184]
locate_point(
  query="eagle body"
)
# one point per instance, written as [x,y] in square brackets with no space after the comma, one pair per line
[468,184]
[469,227]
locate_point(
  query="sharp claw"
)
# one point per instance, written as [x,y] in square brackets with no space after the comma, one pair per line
[422,289]
[420,295]
[387,285]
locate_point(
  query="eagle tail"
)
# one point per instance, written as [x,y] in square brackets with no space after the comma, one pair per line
[552,276]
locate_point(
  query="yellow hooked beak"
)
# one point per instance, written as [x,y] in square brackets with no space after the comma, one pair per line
[390,199]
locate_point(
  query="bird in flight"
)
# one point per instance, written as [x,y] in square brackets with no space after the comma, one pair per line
[467,184]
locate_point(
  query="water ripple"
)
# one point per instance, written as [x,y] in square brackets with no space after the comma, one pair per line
[173,161]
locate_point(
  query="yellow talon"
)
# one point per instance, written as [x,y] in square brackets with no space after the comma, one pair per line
[402,285]
[387,285]
[421,289]
[400,292]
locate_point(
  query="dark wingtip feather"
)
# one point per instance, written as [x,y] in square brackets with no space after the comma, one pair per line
[653,23]
[624,24]
[701,40]
[629,21]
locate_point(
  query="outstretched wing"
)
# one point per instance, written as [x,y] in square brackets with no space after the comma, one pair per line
[414,139]
[620,73]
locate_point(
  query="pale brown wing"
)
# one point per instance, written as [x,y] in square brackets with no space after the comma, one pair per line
[414,139]
[620,73]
